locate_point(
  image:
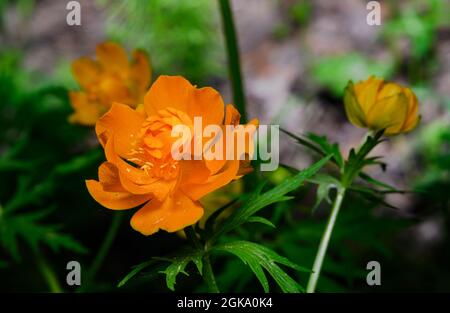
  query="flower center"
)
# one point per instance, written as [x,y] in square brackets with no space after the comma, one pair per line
[153,147]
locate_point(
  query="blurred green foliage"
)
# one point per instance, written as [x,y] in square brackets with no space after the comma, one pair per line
[354,65]
[33,160]
[181,37]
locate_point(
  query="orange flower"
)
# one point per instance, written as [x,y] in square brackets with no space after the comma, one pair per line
[140,167]
[112,78]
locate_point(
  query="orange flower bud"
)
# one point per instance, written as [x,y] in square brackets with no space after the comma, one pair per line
[377,105]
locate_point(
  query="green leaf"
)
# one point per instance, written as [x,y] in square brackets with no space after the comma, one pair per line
[178,265]
[357,160]
[258,258]
[262,220]
[136,269]
[376,182]
[258,201]
[328,148]
[29,227]
[325,184]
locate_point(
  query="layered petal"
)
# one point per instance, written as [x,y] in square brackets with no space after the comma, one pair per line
[86,72]
[206,103]
[140,71]
[174,213]
[226,175]
[124,124]
[86,112]
[168,92]
[113,57]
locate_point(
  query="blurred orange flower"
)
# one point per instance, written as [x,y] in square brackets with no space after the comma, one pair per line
[111,78]
[140,168]
[377,105]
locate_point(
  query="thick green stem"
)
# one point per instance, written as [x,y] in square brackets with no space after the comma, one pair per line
[234,64]
[208,275]
[314,277]
[48,274]
[106,245]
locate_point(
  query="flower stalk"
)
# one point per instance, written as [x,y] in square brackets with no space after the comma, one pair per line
[233,58]
[208,275]
[317,267]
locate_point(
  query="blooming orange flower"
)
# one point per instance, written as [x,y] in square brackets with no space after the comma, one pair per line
[112,78]
[140,167]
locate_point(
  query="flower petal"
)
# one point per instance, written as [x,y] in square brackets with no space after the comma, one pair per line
[132,173]
[232,116]
[366,93]
[389,113]
[112,57]
[114,200]
[124,124]
[228,173]
[208,104]
[168,92]
[353,109]
[86,113]
[140,71]
[413,110]
[86,71]
[174,213]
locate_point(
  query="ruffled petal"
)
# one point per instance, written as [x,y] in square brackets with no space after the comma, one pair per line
[112,57]
[174,213]
[86,113]
[228,173]
[114,200]
[124,124]
[140,71]
[85,71]
[208,104]
[168,92]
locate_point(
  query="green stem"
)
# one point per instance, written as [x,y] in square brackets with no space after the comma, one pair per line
[208,275]
[48,274]
[105,247]
[314,277]
[233,58]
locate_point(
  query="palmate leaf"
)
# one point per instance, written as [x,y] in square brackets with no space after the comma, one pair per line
[260,200]
[178,265]
[30,228]
[260,258]
[320,145]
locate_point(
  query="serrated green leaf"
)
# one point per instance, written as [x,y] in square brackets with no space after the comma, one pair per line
[30,228]
[178,265]
[258,257]
[258,201]
[328,148]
